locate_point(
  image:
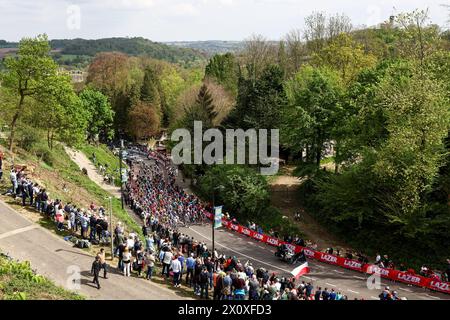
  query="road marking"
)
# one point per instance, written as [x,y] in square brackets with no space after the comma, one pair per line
[242,254]
[355,292]
[17,231]
[341,272]
[375,298]
[407,290]
[360,278]
[330,284]
[432,296]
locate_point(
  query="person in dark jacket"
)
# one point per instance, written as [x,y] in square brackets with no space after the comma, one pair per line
[144,230]
[204,283]
[318,294]
[95,271]
[31,192]
[325,294]
[93,227]
[197,272]
[24,191]
[1,165]
[218,287]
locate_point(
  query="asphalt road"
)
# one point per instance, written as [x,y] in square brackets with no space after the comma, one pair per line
[351,283]
[58,260]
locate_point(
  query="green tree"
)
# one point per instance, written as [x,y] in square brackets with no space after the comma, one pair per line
[28,74]
[417,38]
[245,193]
[111,74]
[417,113]
[101,115]
[203,109]
[345,56]
[314,104]
[150,87]
[223,69]
[260,103]
[60,113]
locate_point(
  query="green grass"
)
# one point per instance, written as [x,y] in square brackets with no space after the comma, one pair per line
[329,160]
[68,172]
[104,156]
[19,282]
[72,173]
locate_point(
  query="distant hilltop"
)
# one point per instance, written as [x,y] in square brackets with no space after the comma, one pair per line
[132,46]
[210,47]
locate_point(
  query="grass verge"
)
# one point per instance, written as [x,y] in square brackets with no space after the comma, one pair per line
[19,282]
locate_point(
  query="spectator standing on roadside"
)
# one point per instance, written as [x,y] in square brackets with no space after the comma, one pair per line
[176,269]
[190,265]
[166,261]
[197,272]
[95,271]
[204,283]
[239,288]
[254,288]
[1,165]
[447,272]
[150,262]
[318,294]
[101,255]
[13,178]
[226,290]
[126,256]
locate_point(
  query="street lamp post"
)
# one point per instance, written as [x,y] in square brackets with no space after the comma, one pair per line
[120,166]
[213,221]
[220,187]
[111,228]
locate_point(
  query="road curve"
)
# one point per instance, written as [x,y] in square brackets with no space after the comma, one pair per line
[54,258]
[351,283]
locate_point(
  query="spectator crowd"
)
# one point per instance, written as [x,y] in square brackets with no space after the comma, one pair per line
[153,193]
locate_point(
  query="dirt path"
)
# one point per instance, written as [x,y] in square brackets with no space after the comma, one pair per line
[284,190]
[83,162]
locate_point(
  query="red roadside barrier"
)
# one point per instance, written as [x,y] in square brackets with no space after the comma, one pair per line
[391,274]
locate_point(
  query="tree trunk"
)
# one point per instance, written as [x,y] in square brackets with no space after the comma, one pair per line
[336,158]
[48,138]
[51,141]
[318,156]
[14,122]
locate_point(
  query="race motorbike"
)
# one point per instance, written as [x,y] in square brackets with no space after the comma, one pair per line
[286,254]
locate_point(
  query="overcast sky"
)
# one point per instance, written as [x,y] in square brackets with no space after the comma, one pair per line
[176,20]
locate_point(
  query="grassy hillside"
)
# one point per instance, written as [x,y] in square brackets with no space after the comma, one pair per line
[19,282]
[79,52]
[63,179]
[211,47]
[103,156]
[131,46]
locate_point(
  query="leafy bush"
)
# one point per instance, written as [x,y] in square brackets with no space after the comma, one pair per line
[240,189]
[27,138]
[43,152]
[19,282]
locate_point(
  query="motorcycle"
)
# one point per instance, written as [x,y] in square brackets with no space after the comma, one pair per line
[286,254]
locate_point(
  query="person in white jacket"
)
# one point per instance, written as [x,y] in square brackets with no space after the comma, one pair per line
[166,260]
[126,262]
[176,269]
